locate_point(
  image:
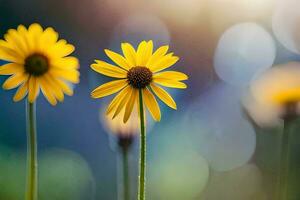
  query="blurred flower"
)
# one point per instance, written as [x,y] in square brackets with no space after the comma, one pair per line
[38,61]
[274,93]
[117,127]
[137,71]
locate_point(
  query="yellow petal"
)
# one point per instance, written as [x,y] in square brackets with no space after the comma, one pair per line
[158,54]
[47,92]
[116,100]
[151,104]
[9,54]
[178,76]
[170,83]
[11,68]
[69,62]
[129,105]
[148,53]
[21,92]
[60,49]
[49,37]
[64,86]
[164,63]
[16,42]
[33,89]
[56,90]
[123,102]
[14,81]
[34,33]
[164,96]
[118,59]
[24,37]
[68,75]
[108,69]
[140,54]
[129,53]
[109,88]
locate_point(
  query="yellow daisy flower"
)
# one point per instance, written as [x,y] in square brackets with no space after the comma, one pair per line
[37,60]
[138,70]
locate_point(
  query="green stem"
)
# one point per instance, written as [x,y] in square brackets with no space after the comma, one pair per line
[32,180]
[285,161]
[126,186]
[141,193]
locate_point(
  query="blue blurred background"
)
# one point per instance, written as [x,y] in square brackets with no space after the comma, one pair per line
[207,149]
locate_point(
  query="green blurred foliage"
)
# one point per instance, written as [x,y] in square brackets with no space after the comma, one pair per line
[63,175]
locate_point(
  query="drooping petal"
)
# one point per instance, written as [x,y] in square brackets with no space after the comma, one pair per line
[123,102]
[115,102]
[164,96]
[108,69]
[118,59]
[158,54]
[64,86]
[33,89]
[21,92]
[164,63]
[14,81]
[178,76]
[129,105]
[56,89]
[46,90]
[170,83]
[129,53]
[11,68]
[151,104]
[109,88]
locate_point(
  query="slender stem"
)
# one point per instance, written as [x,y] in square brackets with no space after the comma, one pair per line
[285,161]
[126,186]
[142,188]
[32,180]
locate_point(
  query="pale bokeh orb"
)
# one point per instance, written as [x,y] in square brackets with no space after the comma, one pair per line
[219,130]
[244,183]
[175,170]
[185,12]
[244,51]
[285,24]
[138,27]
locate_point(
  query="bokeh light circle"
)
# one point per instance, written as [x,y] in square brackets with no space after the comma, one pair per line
[65,175]
[244,51]
[285,24]
[138,27]
[223,185]
[218,128]
[175,170]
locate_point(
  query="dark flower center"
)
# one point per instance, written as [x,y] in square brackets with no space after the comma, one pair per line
[36,64]
[139,77]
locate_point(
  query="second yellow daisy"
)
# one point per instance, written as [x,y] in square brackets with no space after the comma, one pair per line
[139,70]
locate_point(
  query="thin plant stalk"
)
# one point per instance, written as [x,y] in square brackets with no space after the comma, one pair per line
[32,171]
[126,184]
[285,161]
[142,172]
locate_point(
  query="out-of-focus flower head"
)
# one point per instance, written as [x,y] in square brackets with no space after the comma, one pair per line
[272,94]
[116,125]
[38,61]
